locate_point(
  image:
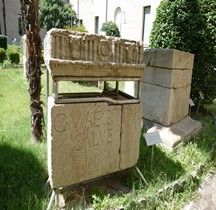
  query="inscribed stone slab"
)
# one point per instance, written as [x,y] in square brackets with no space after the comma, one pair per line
[83,141]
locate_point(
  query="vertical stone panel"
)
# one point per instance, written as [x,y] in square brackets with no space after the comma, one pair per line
[130,135]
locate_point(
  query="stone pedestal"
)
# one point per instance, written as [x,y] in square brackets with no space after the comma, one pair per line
[166,86]
[173,135]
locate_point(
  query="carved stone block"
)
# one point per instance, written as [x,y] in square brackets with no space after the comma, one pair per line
[87,140]
[71,53]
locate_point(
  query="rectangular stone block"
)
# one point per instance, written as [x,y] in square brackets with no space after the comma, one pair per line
[71,53]
[170,78]
[89,140]
[165,106]
[169,58]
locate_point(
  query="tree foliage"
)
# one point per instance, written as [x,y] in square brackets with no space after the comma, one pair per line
[190,26]
[110,28]
[56,14]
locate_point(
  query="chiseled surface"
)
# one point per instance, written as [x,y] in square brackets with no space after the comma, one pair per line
[86,140]
[70,53]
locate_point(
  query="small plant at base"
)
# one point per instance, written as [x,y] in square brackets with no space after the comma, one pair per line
[6,64]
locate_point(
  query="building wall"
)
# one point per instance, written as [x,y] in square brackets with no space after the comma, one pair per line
[12,9]
[130,17]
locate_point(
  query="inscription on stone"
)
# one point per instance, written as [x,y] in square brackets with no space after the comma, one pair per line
[85,139]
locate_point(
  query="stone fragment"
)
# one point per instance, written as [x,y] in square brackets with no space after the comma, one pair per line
[169,58]
[70,53]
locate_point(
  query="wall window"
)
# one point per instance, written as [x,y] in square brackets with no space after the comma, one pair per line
[96,24]
[147,25]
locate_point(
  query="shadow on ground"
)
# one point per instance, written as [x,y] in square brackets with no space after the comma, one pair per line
[21,179]
[164,168]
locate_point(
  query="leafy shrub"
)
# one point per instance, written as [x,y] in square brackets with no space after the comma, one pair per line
[190,26]
[13,56]
[110,28]
[56,14]
[6,64]
[80,28]
[3,55]
[3,42]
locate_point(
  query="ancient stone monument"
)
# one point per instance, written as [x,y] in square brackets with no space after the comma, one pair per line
[92,134]
[166,88]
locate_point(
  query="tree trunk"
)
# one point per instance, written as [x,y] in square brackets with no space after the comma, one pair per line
[32,27]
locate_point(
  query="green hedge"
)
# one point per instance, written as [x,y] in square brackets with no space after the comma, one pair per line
[2,55]
[13,56]
[3,42]
[190,26]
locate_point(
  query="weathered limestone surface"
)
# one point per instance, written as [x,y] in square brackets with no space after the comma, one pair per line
[91,139]
[70,53]
[166,85]
[168,78]
[86,140]
[173,135]
[165,106]
[130,135]
[169,58]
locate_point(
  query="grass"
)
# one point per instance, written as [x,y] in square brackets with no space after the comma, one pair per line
[23,165]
